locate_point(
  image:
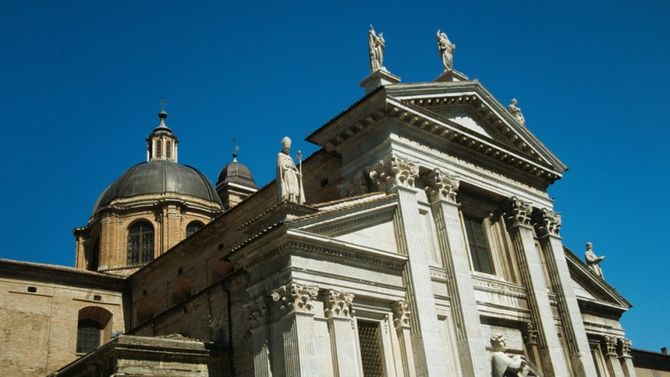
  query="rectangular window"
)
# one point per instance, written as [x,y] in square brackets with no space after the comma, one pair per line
[369,336]
[479,247]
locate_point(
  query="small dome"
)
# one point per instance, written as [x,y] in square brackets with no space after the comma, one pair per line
[238,173]
[158,177]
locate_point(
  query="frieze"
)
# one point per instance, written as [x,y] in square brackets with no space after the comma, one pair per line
[441,186]
[295,297]
[338,304]
[468,164]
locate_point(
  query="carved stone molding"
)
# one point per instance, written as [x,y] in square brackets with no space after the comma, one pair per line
[393,171]
[356,185]
[441,186]
[550,222]
[624,347]
[256,313]
[338,304]
[610,343]
[530,334]
[401,313]
[294,297]
[519,212]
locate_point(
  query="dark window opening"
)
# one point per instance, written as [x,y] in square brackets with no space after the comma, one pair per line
[32,289]
[97,297]
[369,337]
[95,255]
[193,227]
[159,148]
[140,243]
[88,336]
[479,248]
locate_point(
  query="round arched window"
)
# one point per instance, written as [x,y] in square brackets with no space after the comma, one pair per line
[193,227]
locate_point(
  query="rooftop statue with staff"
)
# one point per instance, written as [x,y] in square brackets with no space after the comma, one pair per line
[289,177]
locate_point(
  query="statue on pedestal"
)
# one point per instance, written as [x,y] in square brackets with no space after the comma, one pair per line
[515,111]
[446,49]
[504,365]
[593,261]
[289,177]
[376,46]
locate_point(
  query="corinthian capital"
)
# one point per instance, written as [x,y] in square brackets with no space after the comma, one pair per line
[338,304]
[256,312]
[550,222]
[610,343]
[401,313]
[294,297]
[393,171]
[625,346]
[441,186]
[519,212]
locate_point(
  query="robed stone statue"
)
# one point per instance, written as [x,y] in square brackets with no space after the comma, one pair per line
[515,111]
[593,260]
[446,50]
[503,365]
[289,177]
[376,46]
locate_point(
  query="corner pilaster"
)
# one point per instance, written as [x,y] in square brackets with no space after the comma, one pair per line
[295,331]
[532,274]
[399,175]
[626,358]
[339,314]
[401,314]
[256,320]
[568,308]
[612,357]
[442,189]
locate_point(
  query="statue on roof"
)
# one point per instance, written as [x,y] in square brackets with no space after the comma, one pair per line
[504,365]
[376,45]
[446,49]
[593,261]
[289,177]
[515,111]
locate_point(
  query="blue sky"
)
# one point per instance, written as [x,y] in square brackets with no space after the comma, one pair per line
[80,84]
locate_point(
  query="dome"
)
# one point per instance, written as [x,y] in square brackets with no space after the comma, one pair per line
[238,173]
[158,177]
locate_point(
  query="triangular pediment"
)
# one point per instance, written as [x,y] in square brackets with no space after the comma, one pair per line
[476,113]
[359,222]
[592,288]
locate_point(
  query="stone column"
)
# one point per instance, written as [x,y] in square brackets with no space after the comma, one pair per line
[256,320]
[532,274]
[401,322]
[568,309]
[346,361]
[296,329]
[611,357]
[441,189]
[626,358]
[397,175]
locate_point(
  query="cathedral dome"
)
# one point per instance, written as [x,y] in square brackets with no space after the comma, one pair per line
[238,173]
[158,177]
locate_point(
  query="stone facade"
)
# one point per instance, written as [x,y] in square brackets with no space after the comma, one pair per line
[427,231]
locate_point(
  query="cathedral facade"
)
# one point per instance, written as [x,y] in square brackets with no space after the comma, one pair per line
[421,241]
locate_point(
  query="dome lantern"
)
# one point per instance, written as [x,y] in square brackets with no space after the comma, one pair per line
[162,142]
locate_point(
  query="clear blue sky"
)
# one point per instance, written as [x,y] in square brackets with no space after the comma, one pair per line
[80,83]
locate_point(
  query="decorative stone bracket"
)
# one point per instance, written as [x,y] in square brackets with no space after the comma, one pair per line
[519,212]
[393,171]
[624,348]
[294,297]
[256,313]
[441,186]
[401,313]
[338,304]
[610,343]
[550,222]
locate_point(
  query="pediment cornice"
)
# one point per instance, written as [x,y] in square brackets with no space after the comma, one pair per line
[413,103]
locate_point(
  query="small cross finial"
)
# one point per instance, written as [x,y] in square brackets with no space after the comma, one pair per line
[162,114]
[163,103]
[236,149]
